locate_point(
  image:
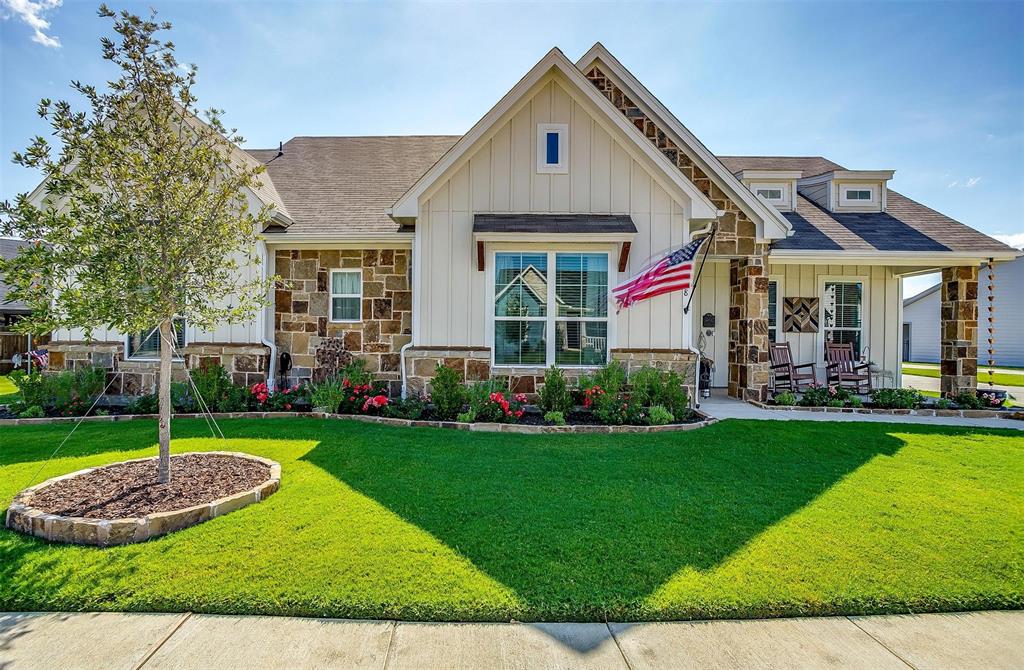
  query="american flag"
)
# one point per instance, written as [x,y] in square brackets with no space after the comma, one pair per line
[672,273]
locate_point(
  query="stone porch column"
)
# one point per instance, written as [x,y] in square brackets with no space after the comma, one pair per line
[959,330]
[748,328]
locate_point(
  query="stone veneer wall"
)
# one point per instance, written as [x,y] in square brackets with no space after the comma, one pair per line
[246,364]
[474,364]
[302,310]
[736,236]
[958,330]
[748,329]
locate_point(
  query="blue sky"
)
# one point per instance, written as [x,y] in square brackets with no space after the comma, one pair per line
[932,90]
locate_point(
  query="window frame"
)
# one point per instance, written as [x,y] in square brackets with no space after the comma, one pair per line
[331,295]
[129,356]
[865,298]
[551,318]
[846,201]
[562,166]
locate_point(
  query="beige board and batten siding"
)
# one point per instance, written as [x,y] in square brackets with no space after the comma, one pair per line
[605,176]
[881,309]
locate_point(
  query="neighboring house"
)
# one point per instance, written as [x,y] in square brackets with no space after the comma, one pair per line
[11,311]
[494,252]
[921,318]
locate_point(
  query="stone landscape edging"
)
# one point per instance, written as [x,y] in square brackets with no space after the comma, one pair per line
[24,518]
[705,420]
[923,411]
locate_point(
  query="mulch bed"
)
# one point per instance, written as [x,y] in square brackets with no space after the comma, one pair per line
[129,490]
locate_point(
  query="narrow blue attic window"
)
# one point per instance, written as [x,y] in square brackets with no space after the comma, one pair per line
[552,149]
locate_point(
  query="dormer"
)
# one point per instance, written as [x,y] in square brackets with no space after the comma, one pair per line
[776,187]
[848,190]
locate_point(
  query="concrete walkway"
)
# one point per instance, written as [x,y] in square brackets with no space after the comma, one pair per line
[720,406]
[194,641]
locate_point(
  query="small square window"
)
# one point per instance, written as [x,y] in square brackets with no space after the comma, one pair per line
[553,148]
[346,295]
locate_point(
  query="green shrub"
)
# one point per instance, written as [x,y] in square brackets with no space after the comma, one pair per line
[554,395]
[355,372]
[896,398]
[821,395]
[33,412]
[213,384]
[328,394]
[66,393]
[674,396]
[235,399]
[659,416]
[554,418]
[855,401]
[646,386]
[183,400]
[144,404]
[943,403]
[466,417]
[410,408]
[968,400]
[835,402]
[447,393]
[785,399]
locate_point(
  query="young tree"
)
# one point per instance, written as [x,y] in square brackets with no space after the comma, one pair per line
[145,217]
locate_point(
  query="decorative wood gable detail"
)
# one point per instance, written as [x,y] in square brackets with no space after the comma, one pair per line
[737,234]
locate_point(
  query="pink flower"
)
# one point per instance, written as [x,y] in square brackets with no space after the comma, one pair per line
[520,397]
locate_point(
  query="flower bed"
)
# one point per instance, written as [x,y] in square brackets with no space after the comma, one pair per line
[1004,413]
[819,397]
[609,396]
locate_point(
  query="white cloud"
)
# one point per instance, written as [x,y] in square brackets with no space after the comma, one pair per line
[31,12]
[970,182]
[1015,240]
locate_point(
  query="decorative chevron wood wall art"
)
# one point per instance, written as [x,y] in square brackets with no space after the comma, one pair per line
[800,315]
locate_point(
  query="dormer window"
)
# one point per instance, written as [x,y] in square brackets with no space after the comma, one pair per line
[770,193]
[553,148]
[857,196]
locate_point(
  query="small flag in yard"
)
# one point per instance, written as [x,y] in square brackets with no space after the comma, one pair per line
[671,273]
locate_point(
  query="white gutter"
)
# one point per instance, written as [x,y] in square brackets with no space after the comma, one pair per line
[271,378]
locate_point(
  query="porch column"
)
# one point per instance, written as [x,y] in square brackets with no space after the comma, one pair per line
[959,330]
[748,328]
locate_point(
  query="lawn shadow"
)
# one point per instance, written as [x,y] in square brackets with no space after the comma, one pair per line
[594,524]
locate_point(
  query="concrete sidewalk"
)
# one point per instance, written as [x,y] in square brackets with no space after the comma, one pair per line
[132,641]
[721,406]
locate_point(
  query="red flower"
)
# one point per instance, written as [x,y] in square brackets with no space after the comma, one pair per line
[519,413]
[520,397]
[287,405]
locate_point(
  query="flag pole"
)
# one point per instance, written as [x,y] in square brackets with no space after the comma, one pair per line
[711,238]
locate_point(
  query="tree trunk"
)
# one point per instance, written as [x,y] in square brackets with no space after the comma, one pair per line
[164,470]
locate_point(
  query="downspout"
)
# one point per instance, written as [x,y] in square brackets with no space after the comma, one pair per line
[415,304]
[696,372]
[271,377]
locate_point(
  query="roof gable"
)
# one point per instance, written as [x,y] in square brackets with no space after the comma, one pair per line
[671,135]
[406,207]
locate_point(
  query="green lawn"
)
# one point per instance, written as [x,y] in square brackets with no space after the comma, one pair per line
[932,370]
[739,519]
[8,391]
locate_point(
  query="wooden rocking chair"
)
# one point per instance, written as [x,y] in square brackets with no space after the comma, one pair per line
[787,376]
[844,370]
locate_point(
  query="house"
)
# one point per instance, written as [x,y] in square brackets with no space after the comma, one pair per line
[13,346]
[921,317]
[493,252]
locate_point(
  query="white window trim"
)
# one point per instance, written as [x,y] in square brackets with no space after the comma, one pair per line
[844,201]
[331,295]
[552,317]
[865,311]
[174,357]
[562,167]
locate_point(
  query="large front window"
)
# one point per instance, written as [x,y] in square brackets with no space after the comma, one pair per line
[550,308]
[843,313]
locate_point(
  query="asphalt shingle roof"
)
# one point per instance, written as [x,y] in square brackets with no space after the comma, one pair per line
[342,185]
